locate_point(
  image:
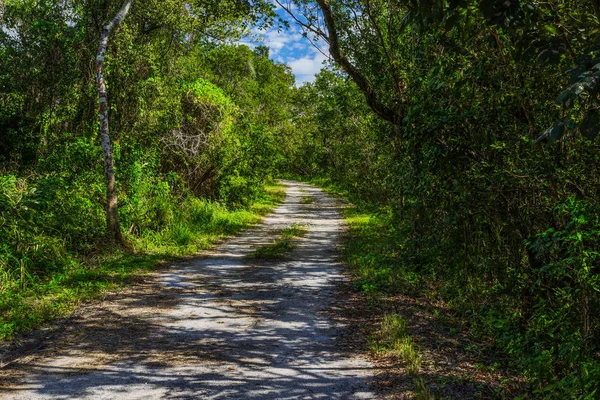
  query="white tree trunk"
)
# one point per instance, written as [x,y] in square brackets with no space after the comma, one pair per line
[112,215]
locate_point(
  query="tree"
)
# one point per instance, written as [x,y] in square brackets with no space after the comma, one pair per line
[112,212]
[346,28]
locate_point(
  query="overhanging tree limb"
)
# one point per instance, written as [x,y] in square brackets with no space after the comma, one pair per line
[112,215]
[363,83]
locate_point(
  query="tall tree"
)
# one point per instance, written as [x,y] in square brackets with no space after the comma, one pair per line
[112,214]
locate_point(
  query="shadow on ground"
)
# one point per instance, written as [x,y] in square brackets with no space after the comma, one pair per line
[219,327]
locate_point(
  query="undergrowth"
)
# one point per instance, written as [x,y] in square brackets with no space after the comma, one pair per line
[44,276]
[375,250]
[392,339]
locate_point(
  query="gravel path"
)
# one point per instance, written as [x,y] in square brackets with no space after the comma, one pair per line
[217,327]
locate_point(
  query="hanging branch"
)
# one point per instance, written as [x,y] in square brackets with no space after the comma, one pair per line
[363,83]
[329,33]
[112,215]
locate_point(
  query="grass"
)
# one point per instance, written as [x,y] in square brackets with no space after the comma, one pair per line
[384,268]
[30,299]
[273,251]
[294,231]
[421,390]
[282,246]
[202,223]
[371,250]
[28,307]
[393,340]
[306,200]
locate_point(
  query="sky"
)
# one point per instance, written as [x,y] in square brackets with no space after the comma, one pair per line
[290,47]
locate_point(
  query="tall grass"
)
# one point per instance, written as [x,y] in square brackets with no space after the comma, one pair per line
[53,255]
[393,340]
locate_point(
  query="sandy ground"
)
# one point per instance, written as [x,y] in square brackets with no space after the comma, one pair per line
[217,327]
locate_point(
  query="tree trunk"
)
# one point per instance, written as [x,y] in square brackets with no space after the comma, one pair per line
[112,215]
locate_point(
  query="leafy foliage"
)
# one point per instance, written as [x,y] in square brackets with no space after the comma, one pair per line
[485,178]
[189,150]
[471,126]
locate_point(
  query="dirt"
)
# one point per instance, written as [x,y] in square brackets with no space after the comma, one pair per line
[455,364]
[216,327]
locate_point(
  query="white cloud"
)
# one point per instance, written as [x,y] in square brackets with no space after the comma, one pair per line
[299,46]
[306,67]
[292,48]
[276,40]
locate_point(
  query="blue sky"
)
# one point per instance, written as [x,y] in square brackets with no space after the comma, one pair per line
[290,47]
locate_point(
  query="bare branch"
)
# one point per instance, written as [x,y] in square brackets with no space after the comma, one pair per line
[311,28]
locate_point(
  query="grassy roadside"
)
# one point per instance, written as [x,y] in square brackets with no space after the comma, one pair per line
[423,340]
[370,251]
[27,302]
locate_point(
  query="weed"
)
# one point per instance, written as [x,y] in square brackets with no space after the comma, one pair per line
[421,391]
[273,195]
[283,245]
[294,230]
[306,200]
[273,251]
[405,350]
[393,339]
[45,279]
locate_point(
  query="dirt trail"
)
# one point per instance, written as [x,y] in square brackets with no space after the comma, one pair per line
[217,327]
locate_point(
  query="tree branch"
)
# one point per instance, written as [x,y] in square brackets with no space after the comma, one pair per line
[363,83]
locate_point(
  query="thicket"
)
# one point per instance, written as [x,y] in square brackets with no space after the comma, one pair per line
[473,126]
[195,120]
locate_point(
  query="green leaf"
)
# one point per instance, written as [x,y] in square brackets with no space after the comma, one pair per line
[452,21]
[554,133]
[551,29]
[590,126]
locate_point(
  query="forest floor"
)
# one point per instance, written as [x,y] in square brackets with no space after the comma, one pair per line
[236,323]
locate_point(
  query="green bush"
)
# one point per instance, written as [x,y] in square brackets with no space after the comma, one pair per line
[238,190]
[563,323]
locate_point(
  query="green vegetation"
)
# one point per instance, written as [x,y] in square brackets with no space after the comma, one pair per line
[466,132]
[282,246]
[194,124]
[34,293]
[294,231]
[392,339]
[376,252]
[273,251]
[306,200]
